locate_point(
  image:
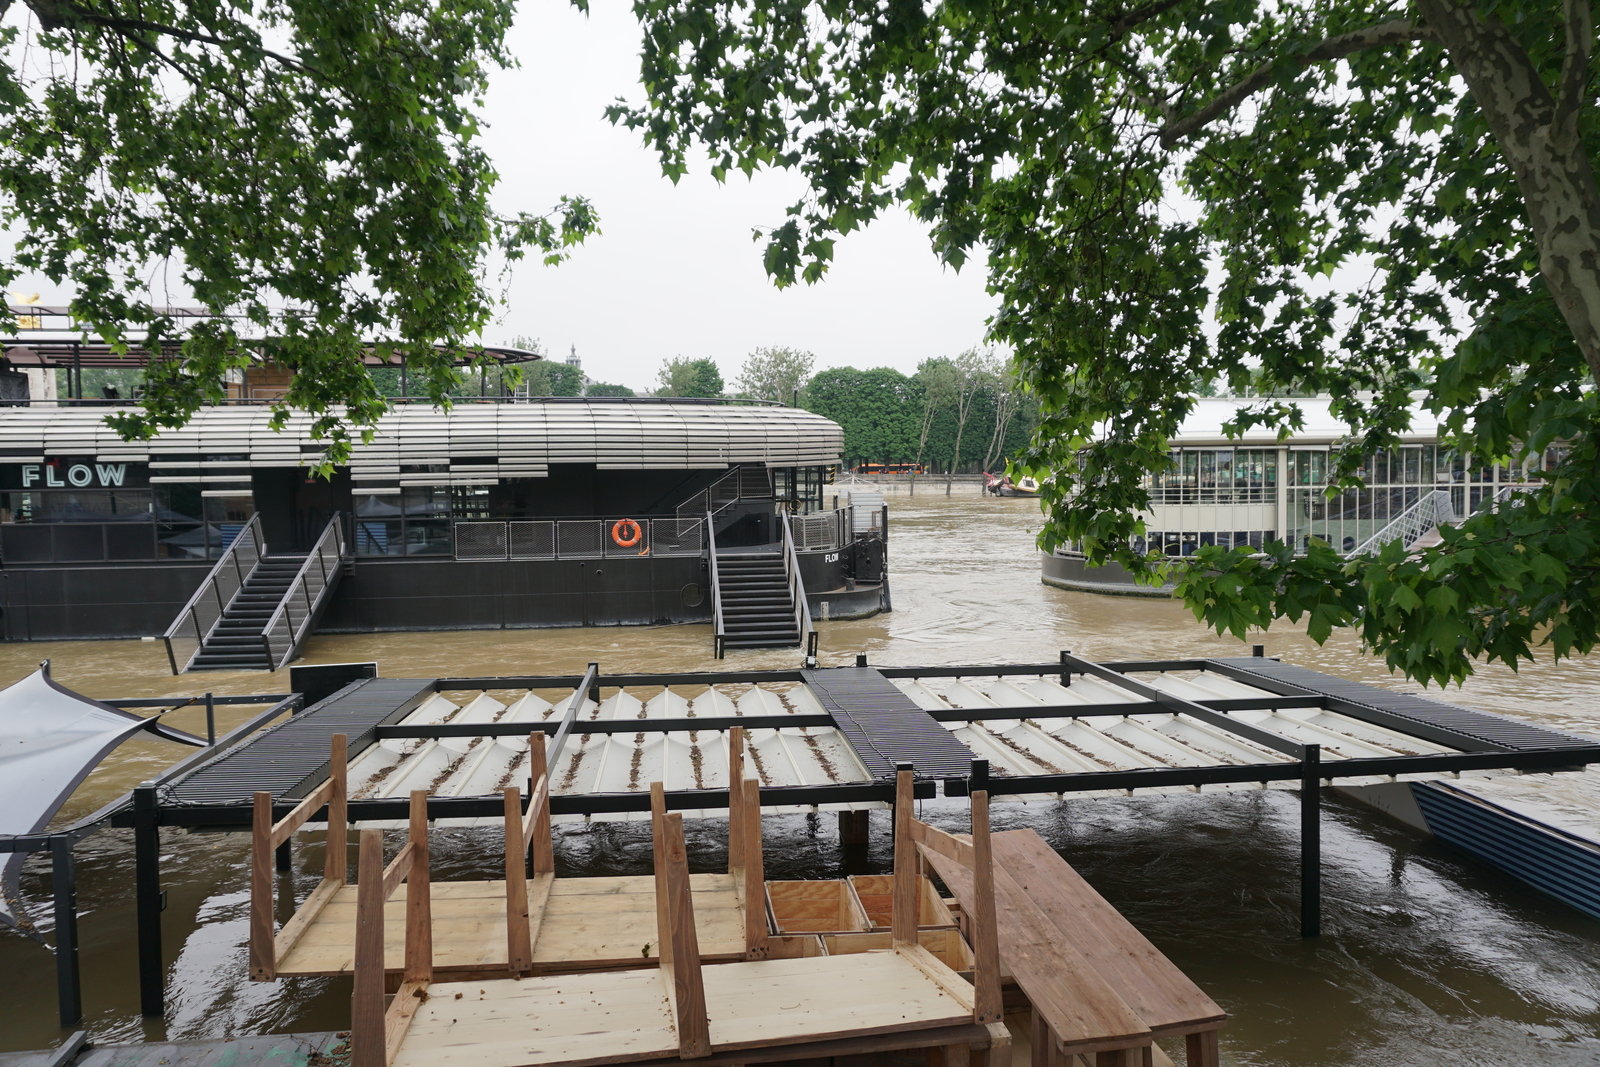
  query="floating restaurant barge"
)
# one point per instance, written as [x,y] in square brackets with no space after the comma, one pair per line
[1258,489]
[499,513]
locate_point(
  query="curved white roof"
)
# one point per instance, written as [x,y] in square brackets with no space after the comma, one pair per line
[1204,424]
[505,439]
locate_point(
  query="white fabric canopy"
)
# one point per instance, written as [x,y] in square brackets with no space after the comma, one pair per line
[50,739]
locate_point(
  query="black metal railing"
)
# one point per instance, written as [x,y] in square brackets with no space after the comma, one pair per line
[199,617]
[287,630]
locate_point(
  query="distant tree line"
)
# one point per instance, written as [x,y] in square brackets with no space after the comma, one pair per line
[956,413]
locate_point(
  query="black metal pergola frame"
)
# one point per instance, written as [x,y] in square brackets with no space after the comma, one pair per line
[145,811]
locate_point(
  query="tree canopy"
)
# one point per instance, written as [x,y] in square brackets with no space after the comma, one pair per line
[310,173]
[1369,199]
[775,373]
[606,389]
[690,377]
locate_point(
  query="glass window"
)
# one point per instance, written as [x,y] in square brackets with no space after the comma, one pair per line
[380,530]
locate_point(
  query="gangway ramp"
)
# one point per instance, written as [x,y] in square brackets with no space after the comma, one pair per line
[884,726]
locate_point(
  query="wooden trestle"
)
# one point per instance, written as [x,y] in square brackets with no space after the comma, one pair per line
[533,970]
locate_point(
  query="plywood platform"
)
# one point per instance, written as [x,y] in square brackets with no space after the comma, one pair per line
[576,924]
[627,1015]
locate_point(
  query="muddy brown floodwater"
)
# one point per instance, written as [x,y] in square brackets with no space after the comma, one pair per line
[1429,957]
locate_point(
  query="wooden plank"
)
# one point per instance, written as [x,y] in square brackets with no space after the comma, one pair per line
[544,856]
[399,868]
[946,946]
[998,1052]
[755,875]
[397,1020]
[1158,992]
[285,827]
[368,1043]
[688,985]
[958,988]
[611,1017]
[263,966]
[336,858]
[538,800]
[985,951]
[1085,1013]
[519,937]
[658,833]
[1201,1049]
[943,843]
[419,916]
[766,1002]
[903,917]
[965,1034]
[304,917]
[823,905]
[538,899]
[736,788]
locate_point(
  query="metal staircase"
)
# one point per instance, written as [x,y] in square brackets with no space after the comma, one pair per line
[758,599]
[235,642]
[255,611]
[757,610]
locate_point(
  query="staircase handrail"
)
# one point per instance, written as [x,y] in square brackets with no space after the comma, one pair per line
[1429,511]
[718,634]
[797,588]
[332,538]
[705,499]
[229,563]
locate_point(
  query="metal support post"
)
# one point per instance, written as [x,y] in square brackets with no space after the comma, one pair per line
[811,650]
[1066,673]
[861,659]
[211,720]
[64,880]
[1311,842]
[285,860]
[594,690]
[978,779]
[147,899]
[1258,651]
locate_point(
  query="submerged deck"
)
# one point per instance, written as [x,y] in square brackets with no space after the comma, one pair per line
[828,739]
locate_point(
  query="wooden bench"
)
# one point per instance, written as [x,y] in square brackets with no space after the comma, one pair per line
[528,922]
[737,1013]
[1095,983]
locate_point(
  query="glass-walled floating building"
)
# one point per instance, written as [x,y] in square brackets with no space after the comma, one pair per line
[496,513]
[1258,489]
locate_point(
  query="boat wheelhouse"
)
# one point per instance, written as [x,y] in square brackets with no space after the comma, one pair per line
[1258,489]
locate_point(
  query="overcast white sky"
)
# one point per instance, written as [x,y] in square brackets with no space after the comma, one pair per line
[674,271]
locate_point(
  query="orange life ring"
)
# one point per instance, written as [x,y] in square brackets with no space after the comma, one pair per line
[627,542]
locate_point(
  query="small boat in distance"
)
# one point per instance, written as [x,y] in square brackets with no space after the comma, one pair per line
[1002,485]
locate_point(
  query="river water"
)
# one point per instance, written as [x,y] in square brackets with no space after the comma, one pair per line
[1428,957]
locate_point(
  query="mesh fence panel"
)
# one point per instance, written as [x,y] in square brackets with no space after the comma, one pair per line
[580,538]
[622,529]
[480,540]
[532,540]
[813,532]
[677,537]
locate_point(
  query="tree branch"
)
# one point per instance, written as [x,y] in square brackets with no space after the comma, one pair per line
[1381,35]
[54,15]
[1574,73]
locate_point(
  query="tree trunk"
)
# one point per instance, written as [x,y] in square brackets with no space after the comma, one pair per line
[1539,139]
